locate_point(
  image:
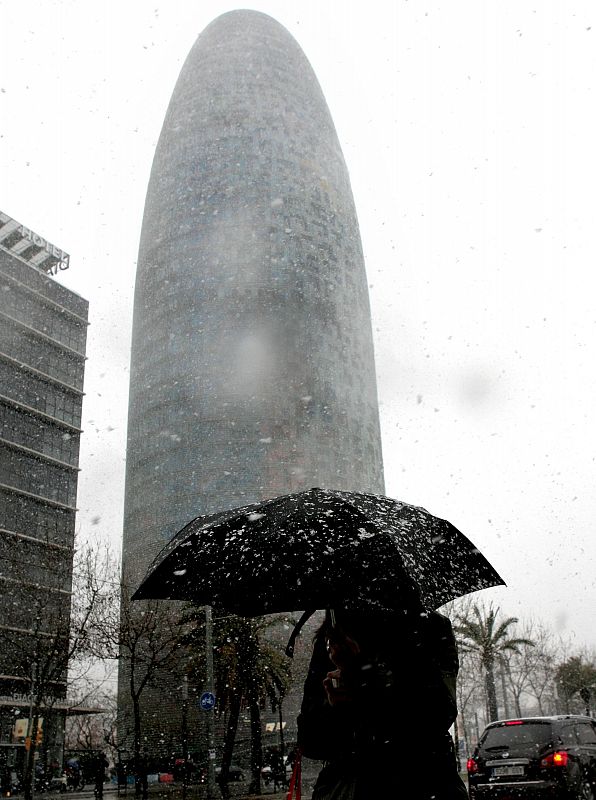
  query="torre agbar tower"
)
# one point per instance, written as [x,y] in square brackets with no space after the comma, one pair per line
[252,366]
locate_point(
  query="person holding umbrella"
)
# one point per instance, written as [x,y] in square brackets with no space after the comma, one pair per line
[381,685]
[379,700]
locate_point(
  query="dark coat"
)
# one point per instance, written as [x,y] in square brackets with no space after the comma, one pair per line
[395,732]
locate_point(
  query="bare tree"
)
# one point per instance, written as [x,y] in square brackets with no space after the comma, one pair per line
[145,637]
[92,722]
[51,628]
[530,672]
[469,695]
[469,688]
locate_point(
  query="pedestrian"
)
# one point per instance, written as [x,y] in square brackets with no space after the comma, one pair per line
[142,787]
[379,700]
[100,766]
[5,782]
[278,772]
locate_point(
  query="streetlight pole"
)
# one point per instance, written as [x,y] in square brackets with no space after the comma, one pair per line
[282,744]
[184,734]
[30,765]
[211,786]
[504,687]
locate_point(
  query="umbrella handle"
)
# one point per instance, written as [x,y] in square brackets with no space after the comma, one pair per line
[296,632]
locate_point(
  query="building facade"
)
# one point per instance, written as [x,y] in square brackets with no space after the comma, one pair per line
[43,331]
[252,366]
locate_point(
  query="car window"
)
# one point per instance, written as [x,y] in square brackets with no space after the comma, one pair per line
[527,733]
[567,734]
[586,733]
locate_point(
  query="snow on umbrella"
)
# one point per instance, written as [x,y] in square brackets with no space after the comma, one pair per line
[318,549]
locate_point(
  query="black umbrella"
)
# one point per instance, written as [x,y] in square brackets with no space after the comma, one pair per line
[318,549]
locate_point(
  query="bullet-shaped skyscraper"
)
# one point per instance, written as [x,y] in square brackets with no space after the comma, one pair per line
[252,367]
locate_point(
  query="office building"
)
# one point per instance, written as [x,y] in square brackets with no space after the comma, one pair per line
[43,330]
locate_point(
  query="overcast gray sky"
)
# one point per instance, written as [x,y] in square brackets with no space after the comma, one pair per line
[468,128]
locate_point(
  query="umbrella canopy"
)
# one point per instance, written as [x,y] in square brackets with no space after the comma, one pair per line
[318,549]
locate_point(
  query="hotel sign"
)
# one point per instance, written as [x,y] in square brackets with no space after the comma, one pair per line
[31,247]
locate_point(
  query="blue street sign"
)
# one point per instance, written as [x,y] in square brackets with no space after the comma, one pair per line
[207,701]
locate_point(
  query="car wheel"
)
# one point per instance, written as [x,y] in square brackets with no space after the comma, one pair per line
[584,791]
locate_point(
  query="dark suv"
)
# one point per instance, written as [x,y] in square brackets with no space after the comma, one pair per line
[550,757]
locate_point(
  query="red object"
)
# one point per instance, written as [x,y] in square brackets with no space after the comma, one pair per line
[515,722]
[295,790]
[471,766]
[559,758]
[166,777]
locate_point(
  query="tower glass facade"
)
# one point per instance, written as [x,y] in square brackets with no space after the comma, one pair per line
[252,365]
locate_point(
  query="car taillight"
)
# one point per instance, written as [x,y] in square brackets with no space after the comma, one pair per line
[472,766]
[559,758]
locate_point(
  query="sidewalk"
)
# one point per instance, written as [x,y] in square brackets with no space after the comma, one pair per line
[175,791]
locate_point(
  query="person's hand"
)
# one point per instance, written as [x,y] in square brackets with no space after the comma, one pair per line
[343,651]
[337,690]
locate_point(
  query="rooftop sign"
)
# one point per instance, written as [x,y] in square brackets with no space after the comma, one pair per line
[32,248]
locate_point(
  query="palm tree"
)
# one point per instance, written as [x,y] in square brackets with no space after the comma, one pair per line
[248,670]
[261,672]
[481,633]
